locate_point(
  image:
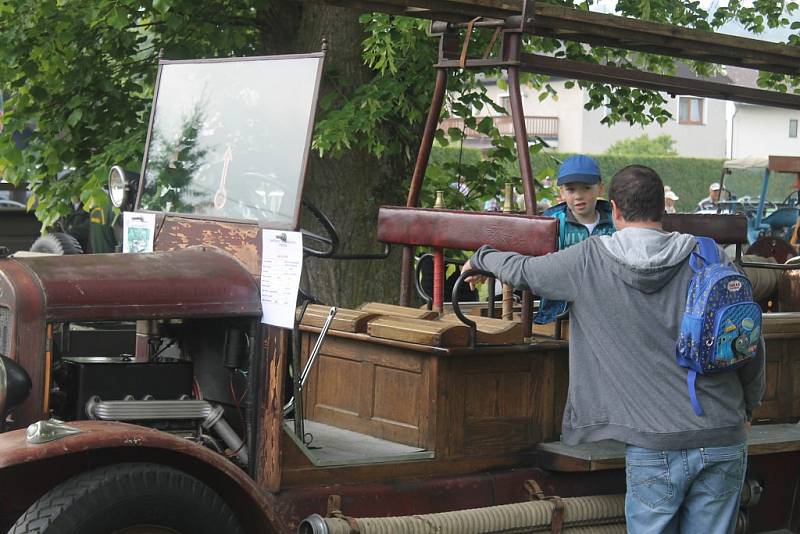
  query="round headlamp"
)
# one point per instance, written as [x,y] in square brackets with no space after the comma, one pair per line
[15,384]
[117,186]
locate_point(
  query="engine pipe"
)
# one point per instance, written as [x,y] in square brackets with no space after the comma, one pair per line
[209,415]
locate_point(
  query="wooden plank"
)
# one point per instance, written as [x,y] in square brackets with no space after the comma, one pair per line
[491,330]
[549,330]
[601,455]
[605,30]
[674,85]
[380,308]
[784,163]
[396,471]
[346,320]
[781,323]
[268,461]
[419,331]
[377,354]
[727,229]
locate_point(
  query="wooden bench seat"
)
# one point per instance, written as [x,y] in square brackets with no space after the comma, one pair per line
[432,333]
[413,325]
[491,330]
[601,455]
[355,321]
[345,320]
[724,229]
[394,310]
[446,331]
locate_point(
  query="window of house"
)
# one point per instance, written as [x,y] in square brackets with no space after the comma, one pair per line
[690,110]
[792,127]
[505,102]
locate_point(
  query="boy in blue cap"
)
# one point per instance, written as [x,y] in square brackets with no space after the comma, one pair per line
[580,216]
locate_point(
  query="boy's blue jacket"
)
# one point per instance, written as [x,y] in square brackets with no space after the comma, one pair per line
[570,232]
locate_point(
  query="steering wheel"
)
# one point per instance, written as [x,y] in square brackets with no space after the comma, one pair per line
[330,241]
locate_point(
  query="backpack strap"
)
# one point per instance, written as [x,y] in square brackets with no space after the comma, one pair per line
[690,382]
[708,252]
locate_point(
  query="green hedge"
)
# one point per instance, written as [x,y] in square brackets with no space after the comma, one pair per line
[688,177]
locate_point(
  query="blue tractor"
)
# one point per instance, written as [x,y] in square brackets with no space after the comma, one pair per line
[766,219]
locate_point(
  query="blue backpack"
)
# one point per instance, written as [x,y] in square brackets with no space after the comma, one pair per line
[721,325]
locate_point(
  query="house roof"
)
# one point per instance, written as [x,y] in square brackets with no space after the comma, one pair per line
[742,77]
[683,70]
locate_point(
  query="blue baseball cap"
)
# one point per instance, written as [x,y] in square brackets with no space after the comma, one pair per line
[579,169]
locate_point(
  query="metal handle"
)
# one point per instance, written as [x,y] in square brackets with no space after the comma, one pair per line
[473,326]
[310,363]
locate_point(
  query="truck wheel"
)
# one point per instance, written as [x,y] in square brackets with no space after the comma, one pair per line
[57,243]
[135,498]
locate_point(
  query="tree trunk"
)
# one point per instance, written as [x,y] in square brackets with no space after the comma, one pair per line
[348,189]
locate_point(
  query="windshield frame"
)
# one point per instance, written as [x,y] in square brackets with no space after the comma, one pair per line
[277,225]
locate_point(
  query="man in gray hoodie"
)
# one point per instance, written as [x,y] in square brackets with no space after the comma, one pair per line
[627,293]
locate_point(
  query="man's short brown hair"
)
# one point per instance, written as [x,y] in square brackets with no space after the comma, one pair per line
[638,193]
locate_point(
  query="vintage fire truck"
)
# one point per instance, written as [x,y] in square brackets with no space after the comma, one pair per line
[142,393]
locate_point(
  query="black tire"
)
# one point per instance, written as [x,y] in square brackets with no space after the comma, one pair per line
[122,497]
[57,243]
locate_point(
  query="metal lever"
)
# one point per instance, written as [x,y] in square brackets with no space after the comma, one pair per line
[317,346]
[307,371]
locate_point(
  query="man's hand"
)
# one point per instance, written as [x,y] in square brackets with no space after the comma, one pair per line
[472,280]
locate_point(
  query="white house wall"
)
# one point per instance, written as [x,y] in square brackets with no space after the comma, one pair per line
[568,107]
[763,131]
[580,130]
[706,140]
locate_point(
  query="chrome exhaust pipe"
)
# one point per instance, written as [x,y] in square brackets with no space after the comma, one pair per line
[209,415]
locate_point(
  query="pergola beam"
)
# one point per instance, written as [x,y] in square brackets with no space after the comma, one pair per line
[604,30]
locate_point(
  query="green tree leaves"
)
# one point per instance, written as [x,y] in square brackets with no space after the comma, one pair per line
[78,79]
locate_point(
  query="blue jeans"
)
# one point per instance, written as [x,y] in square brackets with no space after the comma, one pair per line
[691,491]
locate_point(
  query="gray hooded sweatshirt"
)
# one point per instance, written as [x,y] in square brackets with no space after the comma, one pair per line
[627,293]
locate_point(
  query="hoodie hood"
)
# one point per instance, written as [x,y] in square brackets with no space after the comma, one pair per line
[646,259]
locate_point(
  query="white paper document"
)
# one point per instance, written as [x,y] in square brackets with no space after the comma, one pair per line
[138,231]
[281,265]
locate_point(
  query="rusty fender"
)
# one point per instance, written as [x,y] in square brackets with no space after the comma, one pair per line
[27,471]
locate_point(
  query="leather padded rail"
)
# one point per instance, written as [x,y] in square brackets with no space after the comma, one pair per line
[724,229]
[468,230]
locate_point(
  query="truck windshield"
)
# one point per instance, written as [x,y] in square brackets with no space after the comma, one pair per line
[229,138]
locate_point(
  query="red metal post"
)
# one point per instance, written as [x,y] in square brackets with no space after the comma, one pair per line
[512,48]
[438,280]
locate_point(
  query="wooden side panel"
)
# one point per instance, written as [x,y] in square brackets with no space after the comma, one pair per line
[794,379]
[373,389]
[771,403]
[475,404]
[781,400]
[503,403]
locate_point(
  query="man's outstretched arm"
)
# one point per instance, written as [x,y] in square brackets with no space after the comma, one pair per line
[554,276]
